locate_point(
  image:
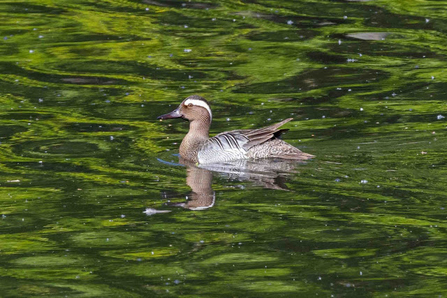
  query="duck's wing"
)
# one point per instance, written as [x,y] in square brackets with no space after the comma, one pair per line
[223,147]
[231,145]
[261,135]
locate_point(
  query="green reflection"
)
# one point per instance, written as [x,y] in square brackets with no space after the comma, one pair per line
[83,81]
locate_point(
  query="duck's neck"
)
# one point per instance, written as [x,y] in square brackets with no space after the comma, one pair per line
[198,133]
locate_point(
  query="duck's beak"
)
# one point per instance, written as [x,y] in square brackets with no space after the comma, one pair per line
[171,115]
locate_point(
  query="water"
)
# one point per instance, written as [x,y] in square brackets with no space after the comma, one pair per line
[94,202]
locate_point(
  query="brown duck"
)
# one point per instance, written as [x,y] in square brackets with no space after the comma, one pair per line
[198,147]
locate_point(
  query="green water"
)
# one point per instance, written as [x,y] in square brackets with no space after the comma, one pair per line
[82,156]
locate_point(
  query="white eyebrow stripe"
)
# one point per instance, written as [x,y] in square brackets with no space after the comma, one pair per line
[199,103]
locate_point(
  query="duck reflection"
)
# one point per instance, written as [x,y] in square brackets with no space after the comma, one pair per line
[271,174]
[202,195]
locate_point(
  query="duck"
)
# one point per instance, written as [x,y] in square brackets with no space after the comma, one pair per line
[251,144]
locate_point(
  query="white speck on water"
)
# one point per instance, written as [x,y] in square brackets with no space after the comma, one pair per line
[378,186]
[213,19]
[187,50]
[349,90]
[427,20]
[323,116]
[40,36]
[432,77]
[319,278]
[40,161]
[345,17]
[339,41]
[394,94]
[364,181]
[107,239]
[202,241]
[228,119]
[111,138]
[337,180]
[185,26]
[152,252]
[360,55]
[361,273]
[289,22]
[123,216]
[31,51]
[151,211]
[361,109]
[234,20]
[439,117]
[358,147]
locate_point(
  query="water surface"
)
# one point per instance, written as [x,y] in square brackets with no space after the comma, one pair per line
[94,202]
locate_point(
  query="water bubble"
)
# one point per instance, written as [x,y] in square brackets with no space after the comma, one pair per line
[364,181]
[187,50]
[439,117]
[289,22]
[31,51]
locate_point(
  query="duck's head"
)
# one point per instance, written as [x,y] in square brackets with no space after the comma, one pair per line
[192,108]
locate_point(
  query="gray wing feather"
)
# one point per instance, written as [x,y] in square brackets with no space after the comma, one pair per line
[223,147]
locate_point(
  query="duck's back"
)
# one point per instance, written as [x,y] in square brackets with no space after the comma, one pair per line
[249,144]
